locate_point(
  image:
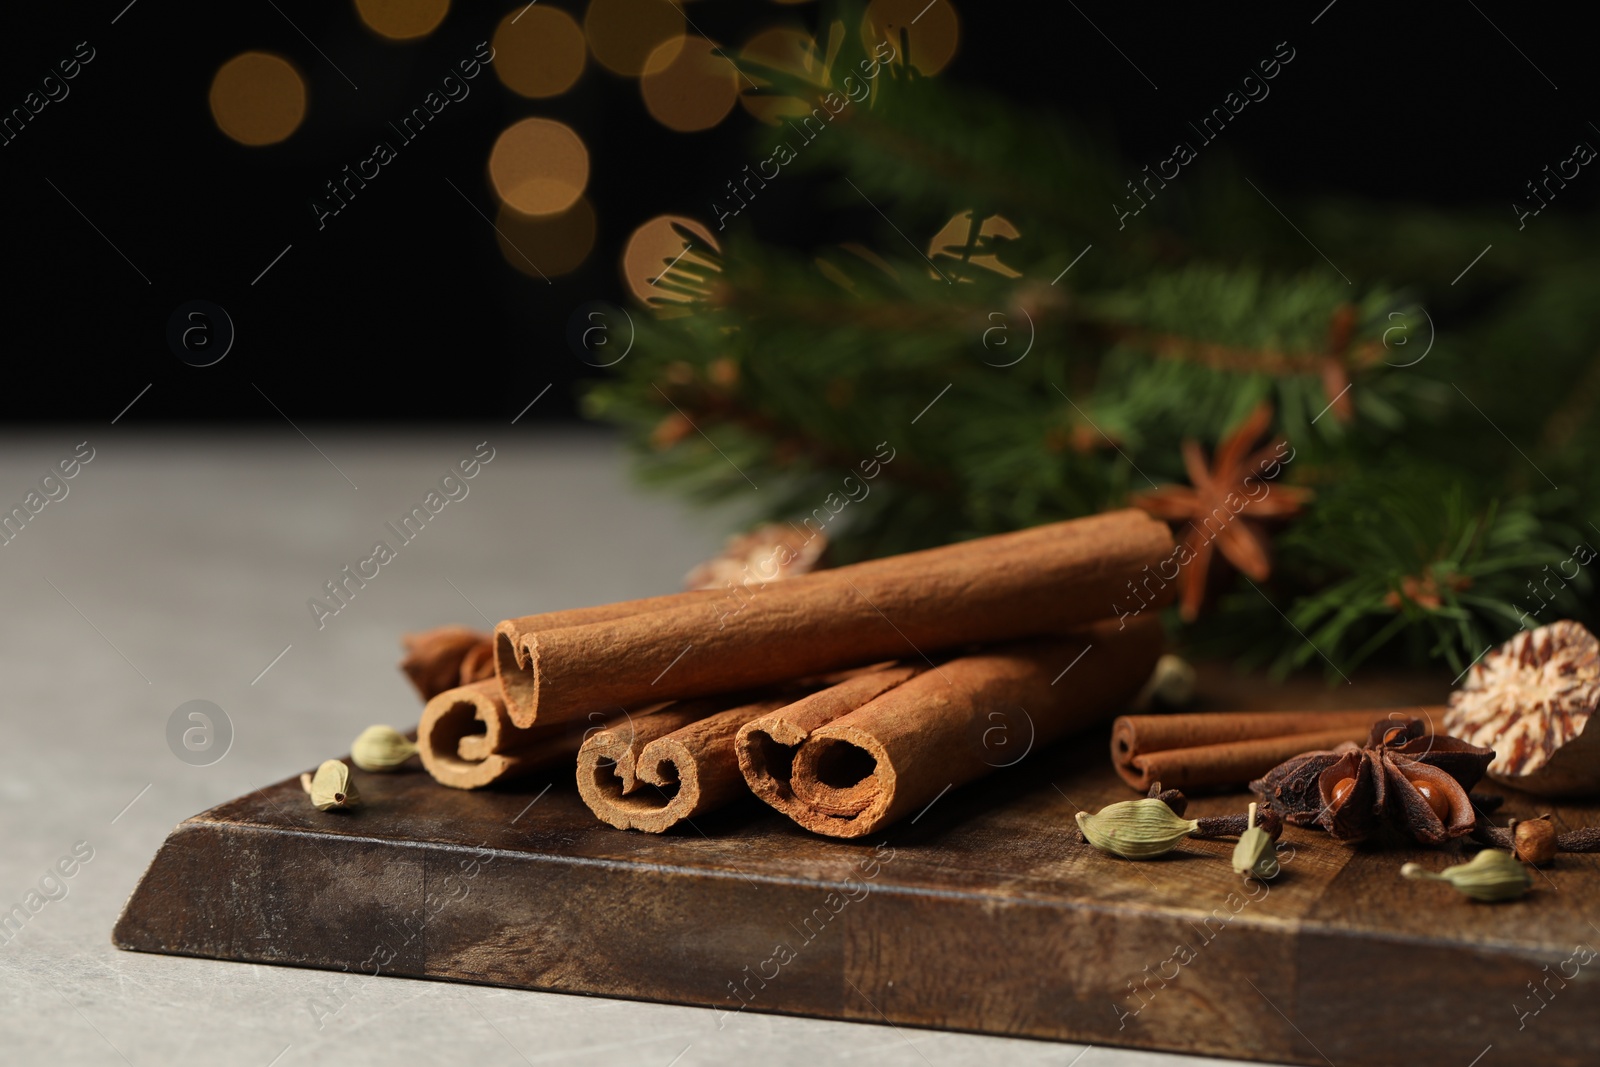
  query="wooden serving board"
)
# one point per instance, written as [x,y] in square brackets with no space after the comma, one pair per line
[986,913]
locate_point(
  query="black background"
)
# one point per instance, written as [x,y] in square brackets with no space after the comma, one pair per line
[402,308]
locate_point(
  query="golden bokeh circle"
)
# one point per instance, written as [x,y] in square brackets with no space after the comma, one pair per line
[650,250]
[402,20]
[952,239]
[693,90]
[539,51]
[933,31]
[539,166]
[546,246]
[258,98]
[626,35]
[781,48]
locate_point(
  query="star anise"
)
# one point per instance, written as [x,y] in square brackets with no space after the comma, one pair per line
[1414,781]
[1224,507]
[1426,591]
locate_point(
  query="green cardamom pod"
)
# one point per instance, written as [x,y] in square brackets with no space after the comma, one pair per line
[1255,853]
[331,787]
[1135,829]
[381,748]
[1491,875]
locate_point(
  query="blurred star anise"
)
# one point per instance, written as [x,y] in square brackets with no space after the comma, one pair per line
[1222,492]
[1414,781]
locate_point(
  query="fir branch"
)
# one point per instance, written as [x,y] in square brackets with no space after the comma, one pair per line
[1270,360]
[1574,413]
[791,444]
[1422,541]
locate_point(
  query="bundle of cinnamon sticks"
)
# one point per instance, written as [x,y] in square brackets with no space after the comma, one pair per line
[844,698]
[1231,748]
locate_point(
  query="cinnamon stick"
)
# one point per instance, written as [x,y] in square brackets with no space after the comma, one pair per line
[652,772]
[446,657]
[900,751]
[1039,581]
[510,634]
[766,745]
[466,739]
[1232,747]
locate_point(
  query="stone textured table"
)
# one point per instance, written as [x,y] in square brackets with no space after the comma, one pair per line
[178,568]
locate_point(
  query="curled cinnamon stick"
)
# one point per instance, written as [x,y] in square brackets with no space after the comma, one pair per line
[766,745]
[446,657]
[466,739]
[1232,747]
[652,772]
[900,751]
[1039,581]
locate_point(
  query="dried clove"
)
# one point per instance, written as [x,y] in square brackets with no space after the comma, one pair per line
[1208,826]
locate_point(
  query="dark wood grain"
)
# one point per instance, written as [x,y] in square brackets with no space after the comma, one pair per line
[985,914]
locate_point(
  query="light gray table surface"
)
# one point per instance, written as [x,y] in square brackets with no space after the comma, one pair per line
[178,567]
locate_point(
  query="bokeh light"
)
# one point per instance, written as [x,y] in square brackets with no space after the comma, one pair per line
[402,20]
[952,239]
[932,31]
[539,51]
[539,166]
[626,35]
[258,98]
[694,89]
[786,49]
[650,250]
[546,246]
